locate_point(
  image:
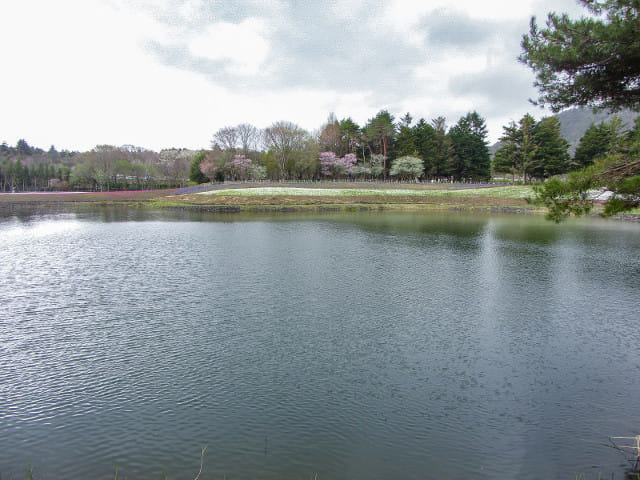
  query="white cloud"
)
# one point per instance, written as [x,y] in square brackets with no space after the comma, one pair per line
[80,78]
[244,44]
[403,14]
[82,72]
[439,69]
[190,8]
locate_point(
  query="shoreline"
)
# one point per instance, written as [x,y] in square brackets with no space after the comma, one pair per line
[341,197]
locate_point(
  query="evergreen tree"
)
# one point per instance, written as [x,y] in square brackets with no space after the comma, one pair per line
[615,166]
[406,120]
[518,148]
[424,137]
[406,141]
[350,134]
[552,150]
[595,143]
[380,131]
[53,153]
[195,175]
[633,135]
[503,159]
[23,148]
[442,149]
[593,61]
[471,158]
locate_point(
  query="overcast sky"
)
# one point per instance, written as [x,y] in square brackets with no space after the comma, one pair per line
[169,73]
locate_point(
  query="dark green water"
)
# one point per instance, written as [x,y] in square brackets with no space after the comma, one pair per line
[347,346]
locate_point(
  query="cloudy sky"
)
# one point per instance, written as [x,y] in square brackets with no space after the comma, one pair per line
[169,73]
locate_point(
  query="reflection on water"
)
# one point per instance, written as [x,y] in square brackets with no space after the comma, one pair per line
[369,345]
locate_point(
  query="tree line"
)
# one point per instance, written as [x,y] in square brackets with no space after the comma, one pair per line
[24,167]
[591,61]
[535,149]
[342,149]
[105,167]
[383,148]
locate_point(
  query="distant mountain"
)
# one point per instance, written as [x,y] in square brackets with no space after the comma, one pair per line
[574,122]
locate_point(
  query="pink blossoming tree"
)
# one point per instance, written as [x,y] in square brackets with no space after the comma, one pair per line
[333,166]
[238,166]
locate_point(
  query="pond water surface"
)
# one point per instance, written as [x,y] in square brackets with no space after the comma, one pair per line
[342,346]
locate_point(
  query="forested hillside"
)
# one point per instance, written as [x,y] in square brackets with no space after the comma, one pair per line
[575,122]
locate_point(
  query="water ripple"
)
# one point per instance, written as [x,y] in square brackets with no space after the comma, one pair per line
[373,347]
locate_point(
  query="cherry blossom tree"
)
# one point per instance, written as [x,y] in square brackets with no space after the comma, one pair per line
[239,166]
[333,166]
[327,163]
[209,167]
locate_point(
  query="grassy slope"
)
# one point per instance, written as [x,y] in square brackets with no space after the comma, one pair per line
[368,195]
[265,197]
[274,196]
[82,197]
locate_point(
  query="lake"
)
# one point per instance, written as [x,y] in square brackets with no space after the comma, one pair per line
[329,346]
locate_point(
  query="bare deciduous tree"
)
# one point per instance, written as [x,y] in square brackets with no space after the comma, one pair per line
[284,139]
[248,136]
[226,138]
[330,136]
